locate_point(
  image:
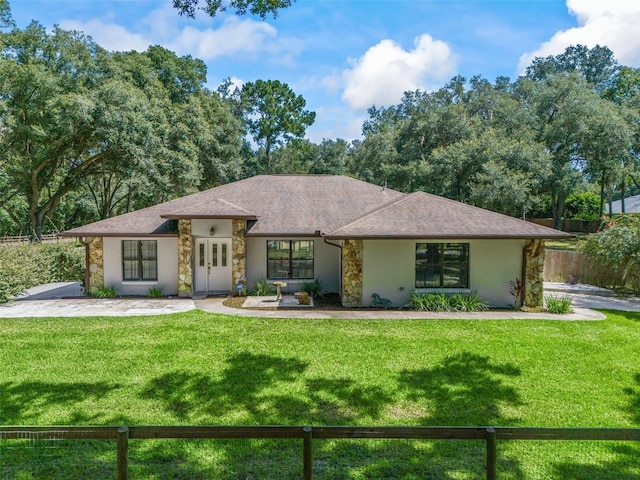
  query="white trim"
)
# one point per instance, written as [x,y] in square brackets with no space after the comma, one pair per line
[443,290]
[141,282]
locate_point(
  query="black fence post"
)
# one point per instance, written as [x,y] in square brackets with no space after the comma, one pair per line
[492,453]
[307,452]
[122,451]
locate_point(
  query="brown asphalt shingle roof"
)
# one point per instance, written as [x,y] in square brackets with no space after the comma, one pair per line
[421,215]
[336,206]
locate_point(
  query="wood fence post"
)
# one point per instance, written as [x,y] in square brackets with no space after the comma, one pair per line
[307,453]
[492,453]
[122,450]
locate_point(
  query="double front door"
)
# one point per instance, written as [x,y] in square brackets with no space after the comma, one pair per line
[213,265]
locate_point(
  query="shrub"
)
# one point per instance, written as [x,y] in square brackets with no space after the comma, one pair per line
[314,288]
[439,302]
[617,247]
[155,292]
[263,288]
[25,266]
[558,304]
[106,292]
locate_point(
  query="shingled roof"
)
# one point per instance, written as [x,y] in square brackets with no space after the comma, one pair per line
[331,205]
[421,215]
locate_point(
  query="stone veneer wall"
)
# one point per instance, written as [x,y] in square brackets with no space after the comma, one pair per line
[96,264]
[239,253]
[352,273]
[185,249]
[533,270]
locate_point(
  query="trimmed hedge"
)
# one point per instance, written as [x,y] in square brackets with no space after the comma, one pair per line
[25,266]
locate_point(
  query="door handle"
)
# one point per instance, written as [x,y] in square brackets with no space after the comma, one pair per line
[209,268]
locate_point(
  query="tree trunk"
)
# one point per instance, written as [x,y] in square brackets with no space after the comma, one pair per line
[622,189]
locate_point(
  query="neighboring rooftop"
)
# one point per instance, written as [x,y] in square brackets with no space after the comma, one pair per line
[631,205]
[333,205]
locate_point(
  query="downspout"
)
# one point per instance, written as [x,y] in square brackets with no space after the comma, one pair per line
[340,247]
[87,275]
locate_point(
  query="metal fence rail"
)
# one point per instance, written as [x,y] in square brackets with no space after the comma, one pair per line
[492,436]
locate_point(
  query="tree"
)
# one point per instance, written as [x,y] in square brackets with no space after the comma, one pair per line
[212,7]
[6,20]
[274,114]
[597,65]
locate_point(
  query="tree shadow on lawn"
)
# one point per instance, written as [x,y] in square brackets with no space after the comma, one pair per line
[23,402]
[464,389]
[264,390]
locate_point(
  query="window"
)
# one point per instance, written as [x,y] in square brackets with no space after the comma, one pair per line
[139,260]
[442,265]
[290,259]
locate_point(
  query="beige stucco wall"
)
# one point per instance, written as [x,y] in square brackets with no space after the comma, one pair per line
[326,264]
[389,269]
[167,267]
[202,228]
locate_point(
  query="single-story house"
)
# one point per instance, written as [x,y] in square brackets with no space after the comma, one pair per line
[356,237]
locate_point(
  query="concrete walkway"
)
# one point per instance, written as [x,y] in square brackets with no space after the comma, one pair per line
[48,301]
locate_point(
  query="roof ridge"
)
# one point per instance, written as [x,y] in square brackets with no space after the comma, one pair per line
[216,199]
[375,211]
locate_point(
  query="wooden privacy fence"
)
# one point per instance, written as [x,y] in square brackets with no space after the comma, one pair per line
[490,435]
[559,265]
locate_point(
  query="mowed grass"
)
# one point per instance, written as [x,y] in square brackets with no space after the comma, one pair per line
[204,369]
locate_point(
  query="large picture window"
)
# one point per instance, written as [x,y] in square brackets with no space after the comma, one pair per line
[442,265]
[139,260]
[290,259]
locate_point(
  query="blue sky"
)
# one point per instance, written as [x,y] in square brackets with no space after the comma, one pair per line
[344,56]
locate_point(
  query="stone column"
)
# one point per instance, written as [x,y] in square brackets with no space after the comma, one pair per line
[96,264]
[185,249]
[239,253]
[533,270]
[352,273]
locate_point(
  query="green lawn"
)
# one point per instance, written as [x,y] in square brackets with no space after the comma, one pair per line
[202,369]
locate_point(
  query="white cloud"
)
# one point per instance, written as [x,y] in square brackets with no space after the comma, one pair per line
[109,36]
[235,36]
[386,71]
[613,23]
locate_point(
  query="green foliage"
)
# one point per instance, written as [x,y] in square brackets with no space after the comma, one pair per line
[314,288]
[583,206]
[106,292]
[558,304]
[440,302]
[617,246]
[274,115]
[25,266]
[263,288]
[213,7]
[155,292]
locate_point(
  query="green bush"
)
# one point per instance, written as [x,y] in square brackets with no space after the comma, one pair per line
[263,288]
[155,292]
[106,292]
[558,304]
[440,302]
[313,288]
[25,266]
